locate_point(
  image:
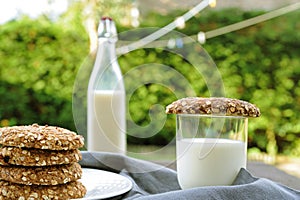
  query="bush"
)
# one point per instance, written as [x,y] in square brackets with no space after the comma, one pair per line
[39,61]
[259,64]
[263,61]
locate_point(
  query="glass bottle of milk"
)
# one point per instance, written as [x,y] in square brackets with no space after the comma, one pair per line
[106,121]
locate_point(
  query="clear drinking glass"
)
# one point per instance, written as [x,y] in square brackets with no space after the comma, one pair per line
[210,149]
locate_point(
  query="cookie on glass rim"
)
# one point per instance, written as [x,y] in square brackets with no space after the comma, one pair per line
[213,106]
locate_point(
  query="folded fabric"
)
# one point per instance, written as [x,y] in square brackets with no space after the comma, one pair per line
[155,182]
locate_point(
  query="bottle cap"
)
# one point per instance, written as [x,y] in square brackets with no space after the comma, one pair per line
[107,29]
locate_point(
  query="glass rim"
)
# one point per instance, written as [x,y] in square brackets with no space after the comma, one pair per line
[211,116]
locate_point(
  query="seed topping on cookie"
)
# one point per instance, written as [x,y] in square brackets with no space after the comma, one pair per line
[40,137]
[213,106]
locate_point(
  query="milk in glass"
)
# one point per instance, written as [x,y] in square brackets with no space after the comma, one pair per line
[210,150]
[209,161]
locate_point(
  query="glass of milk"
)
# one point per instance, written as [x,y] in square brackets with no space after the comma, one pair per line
[210,149]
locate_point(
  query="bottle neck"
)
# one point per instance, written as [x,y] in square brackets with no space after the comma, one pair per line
[108,48]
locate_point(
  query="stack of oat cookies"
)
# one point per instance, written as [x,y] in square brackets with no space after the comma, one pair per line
[40,162]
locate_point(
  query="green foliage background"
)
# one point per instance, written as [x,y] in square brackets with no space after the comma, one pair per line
[39,61]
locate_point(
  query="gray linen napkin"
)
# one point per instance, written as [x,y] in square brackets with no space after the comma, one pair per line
[155,182]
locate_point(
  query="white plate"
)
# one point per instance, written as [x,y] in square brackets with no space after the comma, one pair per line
[102,184]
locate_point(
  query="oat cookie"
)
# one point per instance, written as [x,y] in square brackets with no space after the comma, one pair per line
[214,106]
[40,137]
[70,190]
[2,160]
[39,157]
[49,175]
